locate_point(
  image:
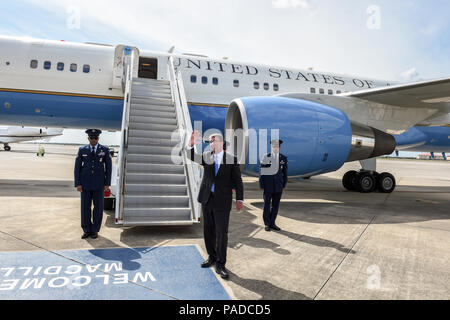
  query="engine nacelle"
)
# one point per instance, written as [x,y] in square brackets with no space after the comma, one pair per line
[24,132]
[317,138]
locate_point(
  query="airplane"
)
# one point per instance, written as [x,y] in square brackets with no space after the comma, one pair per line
[20,134]
[325,119]
[425,139]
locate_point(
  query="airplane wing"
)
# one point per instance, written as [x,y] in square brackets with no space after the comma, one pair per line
[393,109]
[424,94]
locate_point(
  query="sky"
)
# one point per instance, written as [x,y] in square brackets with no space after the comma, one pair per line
[402,40]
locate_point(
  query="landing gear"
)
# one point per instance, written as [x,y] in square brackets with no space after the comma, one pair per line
[385,182]
[349,180]
[368,181]
[7,148]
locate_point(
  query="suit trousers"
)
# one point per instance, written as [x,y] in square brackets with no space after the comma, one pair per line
[271,205]
[91,220]
[215,228]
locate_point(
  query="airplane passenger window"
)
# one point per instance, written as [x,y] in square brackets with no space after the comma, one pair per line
[33,64]
[313,90]
[338,92]
[60,66]
[321,91]
[73,67]
[236,83]
[204,80]
[86,68]
[215,81]
[47,65]
[193,79]
[266,86]
[256,85]
[276,87]
[330,91]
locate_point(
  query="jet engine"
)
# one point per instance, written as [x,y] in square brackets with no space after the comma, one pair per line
[317,138]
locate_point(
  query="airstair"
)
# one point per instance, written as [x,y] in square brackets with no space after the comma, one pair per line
[156,183]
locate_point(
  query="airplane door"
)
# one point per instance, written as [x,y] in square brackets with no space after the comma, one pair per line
[121,52]
[148,68]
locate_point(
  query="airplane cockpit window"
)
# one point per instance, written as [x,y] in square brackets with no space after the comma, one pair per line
[60,66]
[276,87]
[86,68]
[33,64]
[193,79]
[205,80]
[256,85]
[313,90]
[47,65]
[73,67]
[215,81]
[266,86]
[236,83]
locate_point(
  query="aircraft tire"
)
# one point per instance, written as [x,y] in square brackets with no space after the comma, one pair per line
[7,148]
[365,182]
[348,181]
[386,182]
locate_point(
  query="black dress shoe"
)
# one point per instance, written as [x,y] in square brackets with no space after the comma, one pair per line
[222,272]
[267,228]
[208,263]
[94,235]
[85,235]
[275,227]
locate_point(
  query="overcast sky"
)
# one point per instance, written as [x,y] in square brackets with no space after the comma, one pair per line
[402,40]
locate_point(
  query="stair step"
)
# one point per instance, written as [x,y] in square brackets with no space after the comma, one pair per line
[152,101]
[154,178]
[149,158]
[153,127]
[145,215]
[144,81]
[140,119]
[154,168]
[154,141]
[154,150]
[153,107]
[156,189]
[144,89]
[152,113]
[150,94]
[152,134]
[152,201]
[157,212]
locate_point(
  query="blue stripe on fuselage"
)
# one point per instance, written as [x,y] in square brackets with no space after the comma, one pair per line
[50,110]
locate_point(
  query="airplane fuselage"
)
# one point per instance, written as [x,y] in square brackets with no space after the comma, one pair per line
[69,85]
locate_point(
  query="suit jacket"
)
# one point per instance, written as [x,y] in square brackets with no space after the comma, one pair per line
[277,182]
[93,172]
[228,177]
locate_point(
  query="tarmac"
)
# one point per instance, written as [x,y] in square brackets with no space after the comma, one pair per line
[334,244]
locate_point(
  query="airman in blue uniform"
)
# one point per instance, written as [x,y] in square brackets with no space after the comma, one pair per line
[92,177]
[273,180]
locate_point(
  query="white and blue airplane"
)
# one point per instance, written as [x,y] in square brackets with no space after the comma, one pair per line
[325,119]
[18,134]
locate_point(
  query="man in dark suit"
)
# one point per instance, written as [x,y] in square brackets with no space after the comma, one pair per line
[273,180]
[92,177]
[221,174]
